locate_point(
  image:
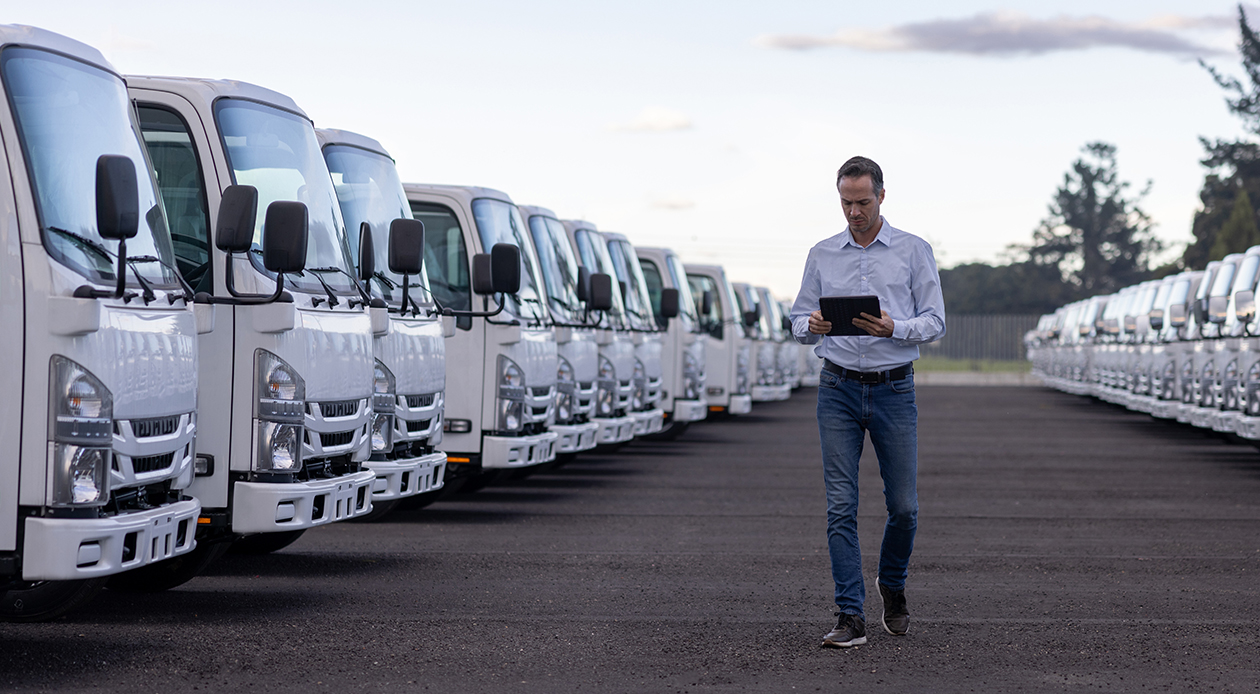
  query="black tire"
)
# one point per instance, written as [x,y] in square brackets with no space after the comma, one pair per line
[170,573]
[669,433]
[563,459]
[39,601]
[265,543]
[379,510]
[482,480]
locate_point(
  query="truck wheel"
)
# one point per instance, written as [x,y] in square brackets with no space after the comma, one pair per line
[379,511]
[482,480]
[39,601]
[265,543]
[669,433]
[169,573]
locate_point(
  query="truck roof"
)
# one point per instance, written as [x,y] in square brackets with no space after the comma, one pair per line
[23,35]
[461,192]
[535,210]
[208,90]
[332,136]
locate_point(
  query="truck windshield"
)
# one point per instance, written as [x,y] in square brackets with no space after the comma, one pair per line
[369,190]
[710,322]
[772,317]
[686,301]
[743,295]
[1246,278]
[500,222]
[277,152]
[1224,277]
[559,268]
[69,113]
[638,304]
[594,253]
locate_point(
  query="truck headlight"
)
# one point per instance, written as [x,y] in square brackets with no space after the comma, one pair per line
[511,402]
[280,414]
[640,386]
[741,370]
[383,402]
[80,435]
[606,388]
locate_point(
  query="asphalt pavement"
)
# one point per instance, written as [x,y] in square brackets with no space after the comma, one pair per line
[1063,545]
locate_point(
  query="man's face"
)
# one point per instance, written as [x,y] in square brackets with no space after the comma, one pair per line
[861,205]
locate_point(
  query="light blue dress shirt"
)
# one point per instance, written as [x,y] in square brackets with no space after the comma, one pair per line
[899,268]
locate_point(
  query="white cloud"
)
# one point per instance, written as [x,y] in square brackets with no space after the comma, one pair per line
[1011,33]
[655,119]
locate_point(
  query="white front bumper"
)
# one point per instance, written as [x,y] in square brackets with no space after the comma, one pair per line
[498,452]
[1184,411]
[1202,417]
[1248,427]
[771,393]
[1226,421]
[649,422]
[575,437]
[690,410]
[264,507]
[614,430]
[1164,409]
[398,479]
[740,404]
[68,549]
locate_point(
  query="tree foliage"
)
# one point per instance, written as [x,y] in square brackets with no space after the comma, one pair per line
[1096,234]
[1239,232]
[1017,288]
[1233,165]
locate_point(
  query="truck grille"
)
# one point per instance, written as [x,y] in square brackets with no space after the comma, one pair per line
[540,392]
[342,408]
[152,463]
[157,426]
[425,400]
[340,438]
[419,425]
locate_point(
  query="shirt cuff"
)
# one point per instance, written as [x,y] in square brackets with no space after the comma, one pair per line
[900,330]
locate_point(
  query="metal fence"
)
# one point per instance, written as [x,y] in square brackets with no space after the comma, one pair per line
[1000,338]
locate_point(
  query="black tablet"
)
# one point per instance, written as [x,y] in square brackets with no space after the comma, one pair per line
[841,310]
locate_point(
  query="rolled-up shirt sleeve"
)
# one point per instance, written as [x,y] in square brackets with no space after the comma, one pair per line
[806,303]
[928,323]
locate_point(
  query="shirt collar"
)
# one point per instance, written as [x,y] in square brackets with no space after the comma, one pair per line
[886,232]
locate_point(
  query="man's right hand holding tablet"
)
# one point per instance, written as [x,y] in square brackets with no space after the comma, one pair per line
[817,325]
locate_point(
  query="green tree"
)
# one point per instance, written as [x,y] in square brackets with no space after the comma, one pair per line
[1239,232]
[1233,165]
[1096,234]
[1017,288]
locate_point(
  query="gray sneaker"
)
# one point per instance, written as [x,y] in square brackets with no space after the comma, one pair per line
[896,618]
[850,631]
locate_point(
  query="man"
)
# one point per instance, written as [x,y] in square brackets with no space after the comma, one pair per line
[867,385]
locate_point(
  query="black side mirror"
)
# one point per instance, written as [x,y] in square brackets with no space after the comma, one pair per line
[706,302]
[787,323]
[482,281]
[669,303]
[601,292]
[750,318]
[1245,306]
[117,197]
[234,227]
[367,253]
[583,284]
[1200,311]
[406,246]
[1157,319]
[505,268]
[1218,307]
[285,231]
[1177,315]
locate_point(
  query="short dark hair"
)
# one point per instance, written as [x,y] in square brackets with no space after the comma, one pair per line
[858,167]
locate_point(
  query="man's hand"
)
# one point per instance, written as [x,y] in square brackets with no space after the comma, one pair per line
[817,325]
[879,327]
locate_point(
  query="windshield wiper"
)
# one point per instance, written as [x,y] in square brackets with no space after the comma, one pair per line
[188,290]
[332,298]
[85,242]
[147,294]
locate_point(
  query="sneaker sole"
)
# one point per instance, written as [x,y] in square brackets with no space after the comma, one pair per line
[859,641]
[890,631]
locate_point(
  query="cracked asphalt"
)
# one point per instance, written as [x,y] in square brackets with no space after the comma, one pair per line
[1064,545]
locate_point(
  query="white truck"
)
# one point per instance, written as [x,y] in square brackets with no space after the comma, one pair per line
[408,340]
[768,385]
[728,351]
[573,317]
[286,377]
[100,335]
[808,364]
[501,370]
[683,360]
[780,327]
[617,368]
[649,418]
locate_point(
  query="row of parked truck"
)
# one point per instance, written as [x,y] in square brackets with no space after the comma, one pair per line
[229,327]
[1184,348]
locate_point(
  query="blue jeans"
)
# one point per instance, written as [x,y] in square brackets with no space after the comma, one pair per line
[846,411]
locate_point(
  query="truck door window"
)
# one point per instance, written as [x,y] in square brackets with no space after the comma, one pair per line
[445,255]
[710,322]
[178,170]
[652,277]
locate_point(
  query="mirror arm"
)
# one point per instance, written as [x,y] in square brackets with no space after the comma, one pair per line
[250,299]
[476,314]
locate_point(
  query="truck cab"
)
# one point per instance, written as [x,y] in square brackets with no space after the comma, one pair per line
[617,368]
[567,287]
[683,360]
[768,384]
[647,336]
[1209,348]
[727,349]
[501,362]
[101,338]
[780,328]
[1237,348]
[286,366]
[1171,350]
[409,384]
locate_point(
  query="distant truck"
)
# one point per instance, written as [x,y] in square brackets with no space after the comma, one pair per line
[728,350]
[683,360]
[100,389]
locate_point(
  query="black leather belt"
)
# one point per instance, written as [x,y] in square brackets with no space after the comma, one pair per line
[869,377]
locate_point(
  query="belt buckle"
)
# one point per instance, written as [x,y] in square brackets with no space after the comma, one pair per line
[870,377]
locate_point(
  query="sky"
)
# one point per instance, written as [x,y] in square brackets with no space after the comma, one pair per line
[715,128]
